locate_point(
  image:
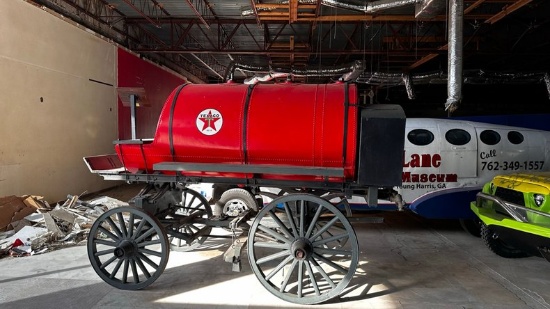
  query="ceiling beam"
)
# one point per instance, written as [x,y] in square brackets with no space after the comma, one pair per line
[506,10]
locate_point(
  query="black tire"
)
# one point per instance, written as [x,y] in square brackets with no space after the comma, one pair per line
[236,201]
[499,247]
[472,226]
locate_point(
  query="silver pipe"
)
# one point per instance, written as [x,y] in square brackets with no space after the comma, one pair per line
[430,8]
[547,82]
[456,38]
[370,7]
[409,87]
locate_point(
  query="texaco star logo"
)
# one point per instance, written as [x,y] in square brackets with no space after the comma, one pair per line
[209,121]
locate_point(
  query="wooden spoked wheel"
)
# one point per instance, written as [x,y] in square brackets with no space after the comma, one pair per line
[303,249]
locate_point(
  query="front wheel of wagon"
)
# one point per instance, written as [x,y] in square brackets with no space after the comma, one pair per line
[303,249]
[128,248]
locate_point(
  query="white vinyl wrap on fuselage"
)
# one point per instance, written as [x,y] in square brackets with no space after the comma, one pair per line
[441,165]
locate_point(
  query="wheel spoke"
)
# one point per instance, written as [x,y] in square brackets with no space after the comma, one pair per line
[108,262]
[276,270]
[312,278]
[331,263]
[150,252]
[323,273]
[143,268]
[329,239]
[300,277]
[148,261]
[314,221]
[326,251]
[302,219]
[134,271]
[273,233]
[103,252]
[146,234]
[122,225]
[114,227]
[273,257]
[115,270]
[324,228]
[281,225]
[271,245]
[290,219]
[287,276]
[105,242]
[125,271]
[149,243]
[131,225]
[139,228]
[109,234]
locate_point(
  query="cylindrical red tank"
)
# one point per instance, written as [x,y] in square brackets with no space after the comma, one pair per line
[277,124]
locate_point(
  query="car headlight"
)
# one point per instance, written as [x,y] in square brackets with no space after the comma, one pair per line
[539,199]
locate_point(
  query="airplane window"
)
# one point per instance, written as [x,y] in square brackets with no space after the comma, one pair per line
[457,137]
[515,137]
[420,137]
[489,137]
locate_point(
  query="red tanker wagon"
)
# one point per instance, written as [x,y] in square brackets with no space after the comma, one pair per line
[311,145]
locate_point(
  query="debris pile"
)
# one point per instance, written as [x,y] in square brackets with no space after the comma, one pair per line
[29,225]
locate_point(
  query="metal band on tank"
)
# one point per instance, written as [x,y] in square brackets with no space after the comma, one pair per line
[346,116]
[245,120]
[171,121]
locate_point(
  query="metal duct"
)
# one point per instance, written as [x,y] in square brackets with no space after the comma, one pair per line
[430,8]
[356,69]
[369,7]
[348,5]
[409,87]
[456,38]
[265,78]
[547,82]
[348,72]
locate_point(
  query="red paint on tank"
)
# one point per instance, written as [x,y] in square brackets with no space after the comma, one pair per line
[276,124]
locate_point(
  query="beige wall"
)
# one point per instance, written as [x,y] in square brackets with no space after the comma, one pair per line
[51,114]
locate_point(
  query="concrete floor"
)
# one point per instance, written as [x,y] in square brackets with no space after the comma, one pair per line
[405,262]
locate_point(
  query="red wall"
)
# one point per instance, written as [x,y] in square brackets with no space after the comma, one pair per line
[157,82]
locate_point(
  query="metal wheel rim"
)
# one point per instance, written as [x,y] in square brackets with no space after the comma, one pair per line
[196,203]
[128,248]
[326,268]
[235,204]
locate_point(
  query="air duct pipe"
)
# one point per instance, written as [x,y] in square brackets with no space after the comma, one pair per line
[360,6]
[456,39]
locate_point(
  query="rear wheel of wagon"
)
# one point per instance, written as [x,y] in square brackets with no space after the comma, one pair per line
[128,248]
[193,233]
[303,249]
[497,246]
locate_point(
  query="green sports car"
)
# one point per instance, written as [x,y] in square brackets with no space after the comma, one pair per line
[514,210]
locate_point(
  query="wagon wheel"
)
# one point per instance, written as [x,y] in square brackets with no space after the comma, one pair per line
[128,248]
[291,254]
[192,204]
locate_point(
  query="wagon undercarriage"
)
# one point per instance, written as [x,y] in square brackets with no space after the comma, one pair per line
[300,246]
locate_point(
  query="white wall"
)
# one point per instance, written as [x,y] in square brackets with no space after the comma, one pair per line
[51,114]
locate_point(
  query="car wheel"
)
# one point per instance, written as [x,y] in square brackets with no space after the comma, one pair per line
[497,246]
[472,226]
